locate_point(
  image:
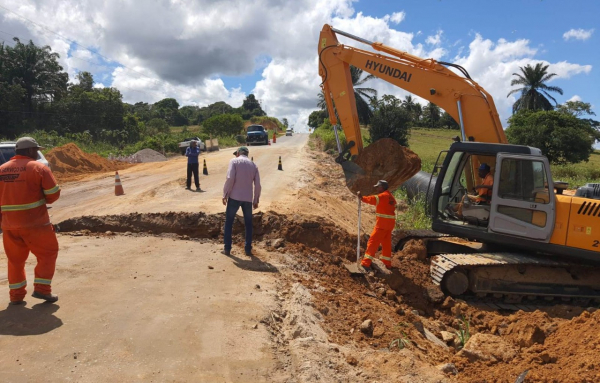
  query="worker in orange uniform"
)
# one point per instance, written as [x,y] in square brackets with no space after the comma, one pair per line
[385,211]
[484,191]
[26,186]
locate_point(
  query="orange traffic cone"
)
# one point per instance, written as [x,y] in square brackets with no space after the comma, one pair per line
[279,167]
[205,169]
[274,137]
[118,186]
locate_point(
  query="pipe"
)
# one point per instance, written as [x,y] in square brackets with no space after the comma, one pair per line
[418,185]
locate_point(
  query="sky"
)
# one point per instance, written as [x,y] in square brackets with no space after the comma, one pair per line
[203,51]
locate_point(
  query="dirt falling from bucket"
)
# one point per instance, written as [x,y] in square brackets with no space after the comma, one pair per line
[387,160]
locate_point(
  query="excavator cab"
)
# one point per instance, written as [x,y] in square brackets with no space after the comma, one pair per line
[522,199]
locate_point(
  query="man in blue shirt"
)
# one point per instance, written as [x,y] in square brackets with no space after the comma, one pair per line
[192,153]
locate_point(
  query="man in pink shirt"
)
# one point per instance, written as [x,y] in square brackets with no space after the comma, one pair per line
[237,192]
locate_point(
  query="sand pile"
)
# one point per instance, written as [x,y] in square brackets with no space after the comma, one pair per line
[69,163]
[387,160]
[149,155]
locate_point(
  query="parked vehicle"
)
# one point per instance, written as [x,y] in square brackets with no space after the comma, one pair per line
[257,135]
[289,132]
[186,143]
[8,151]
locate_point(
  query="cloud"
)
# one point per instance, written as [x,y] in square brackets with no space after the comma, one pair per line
[578,34]
[397,17]
[435,39]
[575,98]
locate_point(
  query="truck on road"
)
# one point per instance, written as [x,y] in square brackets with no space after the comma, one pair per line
[186,143]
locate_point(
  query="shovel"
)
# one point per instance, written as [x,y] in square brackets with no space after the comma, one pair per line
[356,268]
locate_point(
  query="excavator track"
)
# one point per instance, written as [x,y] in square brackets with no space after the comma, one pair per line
[515,276]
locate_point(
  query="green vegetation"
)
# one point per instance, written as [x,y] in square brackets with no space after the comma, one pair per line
[390,120]
[402,341]
[464,333]
[414,217]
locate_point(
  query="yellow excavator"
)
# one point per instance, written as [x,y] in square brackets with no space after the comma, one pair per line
[529,240]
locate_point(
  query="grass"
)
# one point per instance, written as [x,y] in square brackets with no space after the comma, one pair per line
[402,341]
[464,333]
[414,217]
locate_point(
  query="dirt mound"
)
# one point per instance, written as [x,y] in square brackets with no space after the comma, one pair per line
[69,163]
[385,159]
[149,155]
[268,125]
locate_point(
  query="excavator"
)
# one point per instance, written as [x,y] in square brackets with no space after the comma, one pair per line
[529,240]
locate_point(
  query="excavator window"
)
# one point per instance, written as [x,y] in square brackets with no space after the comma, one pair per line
[524,180]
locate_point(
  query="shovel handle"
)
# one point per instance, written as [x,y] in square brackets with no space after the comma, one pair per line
[358,236]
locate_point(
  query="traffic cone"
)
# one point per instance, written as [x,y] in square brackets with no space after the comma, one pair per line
[252,159]
[205,170]
[118,186]
[274,137]
[279,167]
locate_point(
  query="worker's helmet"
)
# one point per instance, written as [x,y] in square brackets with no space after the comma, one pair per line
[382,183]
[484,167]
[26,143]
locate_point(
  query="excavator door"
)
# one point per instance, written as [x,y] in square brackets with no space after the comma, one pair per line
[523,202]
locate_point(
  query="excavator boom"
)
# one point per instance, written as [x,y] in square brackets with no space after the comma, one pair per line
[467,102]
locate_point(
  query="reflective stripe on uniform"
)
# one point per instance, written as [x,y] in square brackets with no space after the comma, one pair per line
[376,199]
[368,256]
[52,191]
[385,216]
[17,285]
[42,281]
[28,206]
[386,258]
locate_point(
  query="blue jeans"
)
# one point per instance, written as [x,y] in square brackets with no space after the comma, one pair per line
[232,208]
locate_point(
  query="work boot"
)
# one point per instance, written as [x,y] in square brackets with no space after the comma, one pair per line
[249,253]
[188,188]
[226,252]
[16,303]
[198,188]
[47,297]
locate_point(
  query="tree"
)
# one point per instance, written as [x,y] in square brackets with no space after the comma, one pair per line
[251,107]
[390,120]
[578,109]
[168,110]
[432,115]
[285,122]
[412,107]
[36,70]
[448,122]
[224,125]
[533,90]
[86,81]
[362,95]
[561,137]
[316,118]
[156,126]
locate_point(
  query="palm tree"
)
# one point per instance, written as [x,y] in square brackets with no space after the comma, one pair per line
[534,90]
[363,95]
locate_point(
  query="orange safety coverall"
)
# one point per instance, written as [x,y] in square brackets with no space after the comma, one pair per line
[26,186]
[385,211]
[483,194]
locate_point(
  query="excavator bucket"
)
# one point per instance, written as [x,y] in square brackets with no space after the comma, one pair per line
[385,159]
[353,173]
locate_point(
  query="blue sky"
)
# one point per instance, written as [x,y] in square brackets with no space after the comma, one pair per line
[202,51]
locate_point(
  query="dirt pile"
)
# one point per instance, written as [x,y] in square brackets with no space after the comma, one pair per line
[69,163]
[387,160]
[149,155]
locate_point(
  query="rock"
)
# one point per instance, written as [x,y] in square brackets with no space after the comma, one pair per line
[488,347]
[391,295]
[324,310]
[434,339]
[378,332]
[400,311]
[434,294]
[127,233]
[367,327]
[415,312]
[447,336]
[351,360]
[447,368]
[448,303]
[185,237]
[210,267]
[279,242]
[109,233]
[255,326]
[591,309]
[381,291]
[257,287]
[547,358]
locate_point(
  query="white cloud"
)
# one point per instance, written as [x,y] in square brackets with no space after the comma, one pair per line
[397,17]
[435,39]
[578,34]
[575,98]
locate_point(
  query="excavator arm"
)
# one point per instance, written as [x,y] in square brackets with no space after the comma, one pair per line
[467,102]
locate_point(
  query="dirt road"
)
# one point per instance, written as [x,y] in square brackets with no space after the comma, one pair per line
[160,186]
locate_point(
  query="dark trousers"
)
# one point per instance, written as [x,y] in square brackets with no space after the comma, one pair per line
[192,168]
[232,208]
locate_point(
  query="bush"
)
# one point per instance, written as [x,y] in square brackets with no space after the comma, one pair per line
[224,125]
[390,120]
